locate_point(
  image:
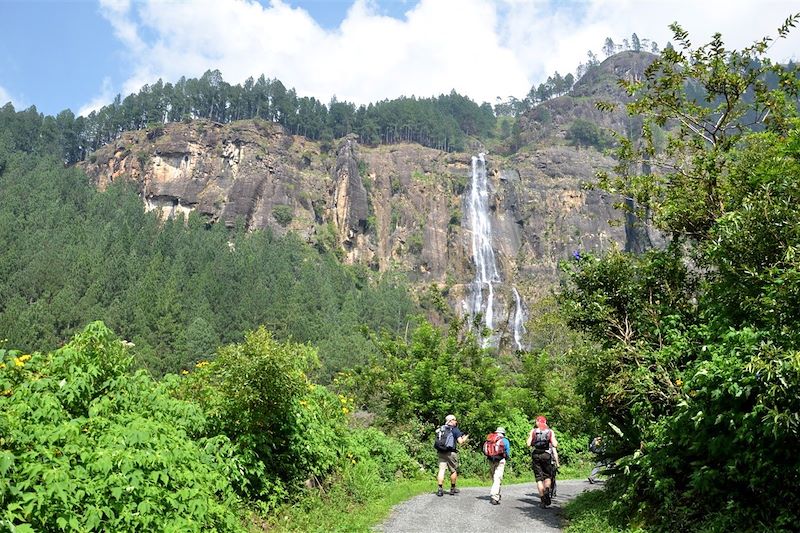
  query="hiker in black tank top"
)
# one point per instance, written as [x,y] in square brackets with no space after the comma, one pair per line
[541,439]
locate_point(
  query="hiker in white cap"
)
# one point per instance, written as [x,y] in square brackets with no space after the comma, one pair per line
[497,450]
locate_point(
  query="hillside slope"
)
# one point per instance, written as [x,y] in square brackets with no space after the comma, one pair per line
[398,207]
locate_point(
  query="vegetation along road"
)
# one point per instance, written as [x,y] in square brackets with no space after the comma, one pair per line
[471,511]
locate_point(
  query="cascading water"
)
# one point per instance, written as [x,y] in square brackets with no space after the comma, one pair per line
[482,252]
[486,273]
[519,320]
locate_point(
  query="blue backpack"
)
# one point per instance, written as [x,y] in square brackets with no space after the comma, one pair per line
[445,441]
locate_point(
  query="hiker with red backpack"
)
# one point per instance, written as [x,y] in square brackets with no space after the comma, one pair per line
[497,450]
[542,439]
[447,437]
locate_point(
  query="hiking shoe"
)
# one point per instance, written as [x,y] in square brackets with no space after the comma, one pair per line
[591,480]
[495,502]
[546,498]
[440,492]
[454,491]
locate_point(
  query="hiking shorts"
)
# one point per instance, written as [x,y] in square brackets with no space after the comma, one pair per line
[448,460]
[542,468]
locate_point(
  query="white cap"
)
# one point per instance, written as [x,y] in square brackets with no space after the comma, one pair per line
[448,418]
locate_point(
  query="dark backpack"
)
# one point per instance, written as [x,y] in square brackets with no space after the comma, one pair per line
[594,445]
[541,439]
[445,441]
[493,447]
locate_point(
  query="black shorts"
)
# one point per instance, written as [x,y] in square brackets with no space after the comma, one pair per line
[542,468]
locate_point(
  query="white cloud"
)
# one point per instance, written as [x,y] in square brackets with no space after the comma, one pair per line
[548,36]
[104,97]
[482,48]
[5,97]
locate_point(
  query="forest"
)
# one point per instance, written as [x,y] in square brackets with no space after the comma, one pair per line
[183,376]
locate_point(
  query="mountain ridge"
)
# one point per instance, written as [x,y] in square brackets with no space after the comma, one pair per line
[399,207]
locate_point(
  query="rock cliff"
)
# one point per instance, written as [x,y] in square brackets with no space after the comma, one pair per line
[395,207]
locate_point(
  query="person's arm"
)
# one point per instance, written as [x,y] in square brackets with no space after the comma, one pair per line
[555,457]
[507,446]
[462,437]
[530,439]
[553,440]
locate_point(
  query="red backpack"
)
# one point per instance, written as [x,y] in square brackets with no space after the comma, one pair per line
[493,447]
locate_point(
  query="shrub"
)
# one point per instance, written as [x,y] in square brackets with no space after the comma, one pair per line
[88,447]
[283,214]
[583,132]
[390,458]
[250,393]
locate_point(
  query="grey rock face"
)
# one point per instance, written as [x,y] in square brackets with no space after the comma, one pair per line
[396,207]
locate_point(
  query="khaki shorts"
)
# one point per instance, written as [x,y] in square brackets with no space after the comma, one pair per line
[448,460]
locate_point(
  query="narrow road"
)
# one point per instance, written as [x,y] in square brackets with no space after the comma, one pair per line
[470,510]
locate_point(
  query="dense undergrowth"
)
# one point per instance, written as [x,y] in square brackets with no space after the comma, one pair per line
[239,442]
[698,366]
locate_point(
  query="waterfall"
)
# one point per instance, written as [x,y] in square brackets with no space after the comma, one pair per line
[482,252]
[486,273]
[519,319]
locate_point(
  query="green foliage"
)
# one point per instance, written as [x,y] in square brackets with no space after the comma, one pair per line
[698,371]
[415,243]
[389,457]
[441,122]
[544,378]
[586,133]
[283,214]
[256,394]
[713,96]
[86,446]
[589,513]
[431,375]
[177,289]
[335,510]
[250,392]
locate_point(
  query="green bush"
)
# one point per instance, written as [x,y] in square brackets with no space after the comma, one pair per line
[283,214]
[86,446]
[251,393]
[389,456]
[583,132]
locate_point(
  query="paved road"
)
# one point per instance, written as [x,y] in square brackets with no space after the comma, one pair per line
[470,510]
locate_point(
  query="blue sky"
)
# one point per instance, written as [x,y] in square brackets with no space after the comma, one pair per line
[79,54]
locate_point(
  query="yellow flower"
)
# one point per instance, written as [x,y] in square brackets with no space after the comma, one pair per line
[18,362]
[345,410]
[2,366]
[678,382]
[7,392]
[25,357]
[201,364]
[184,372]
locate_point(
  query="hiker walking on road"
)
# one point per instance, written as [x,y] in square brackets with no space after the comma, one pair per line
[598,448]
[541,439]
[447,437]
[497,450]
